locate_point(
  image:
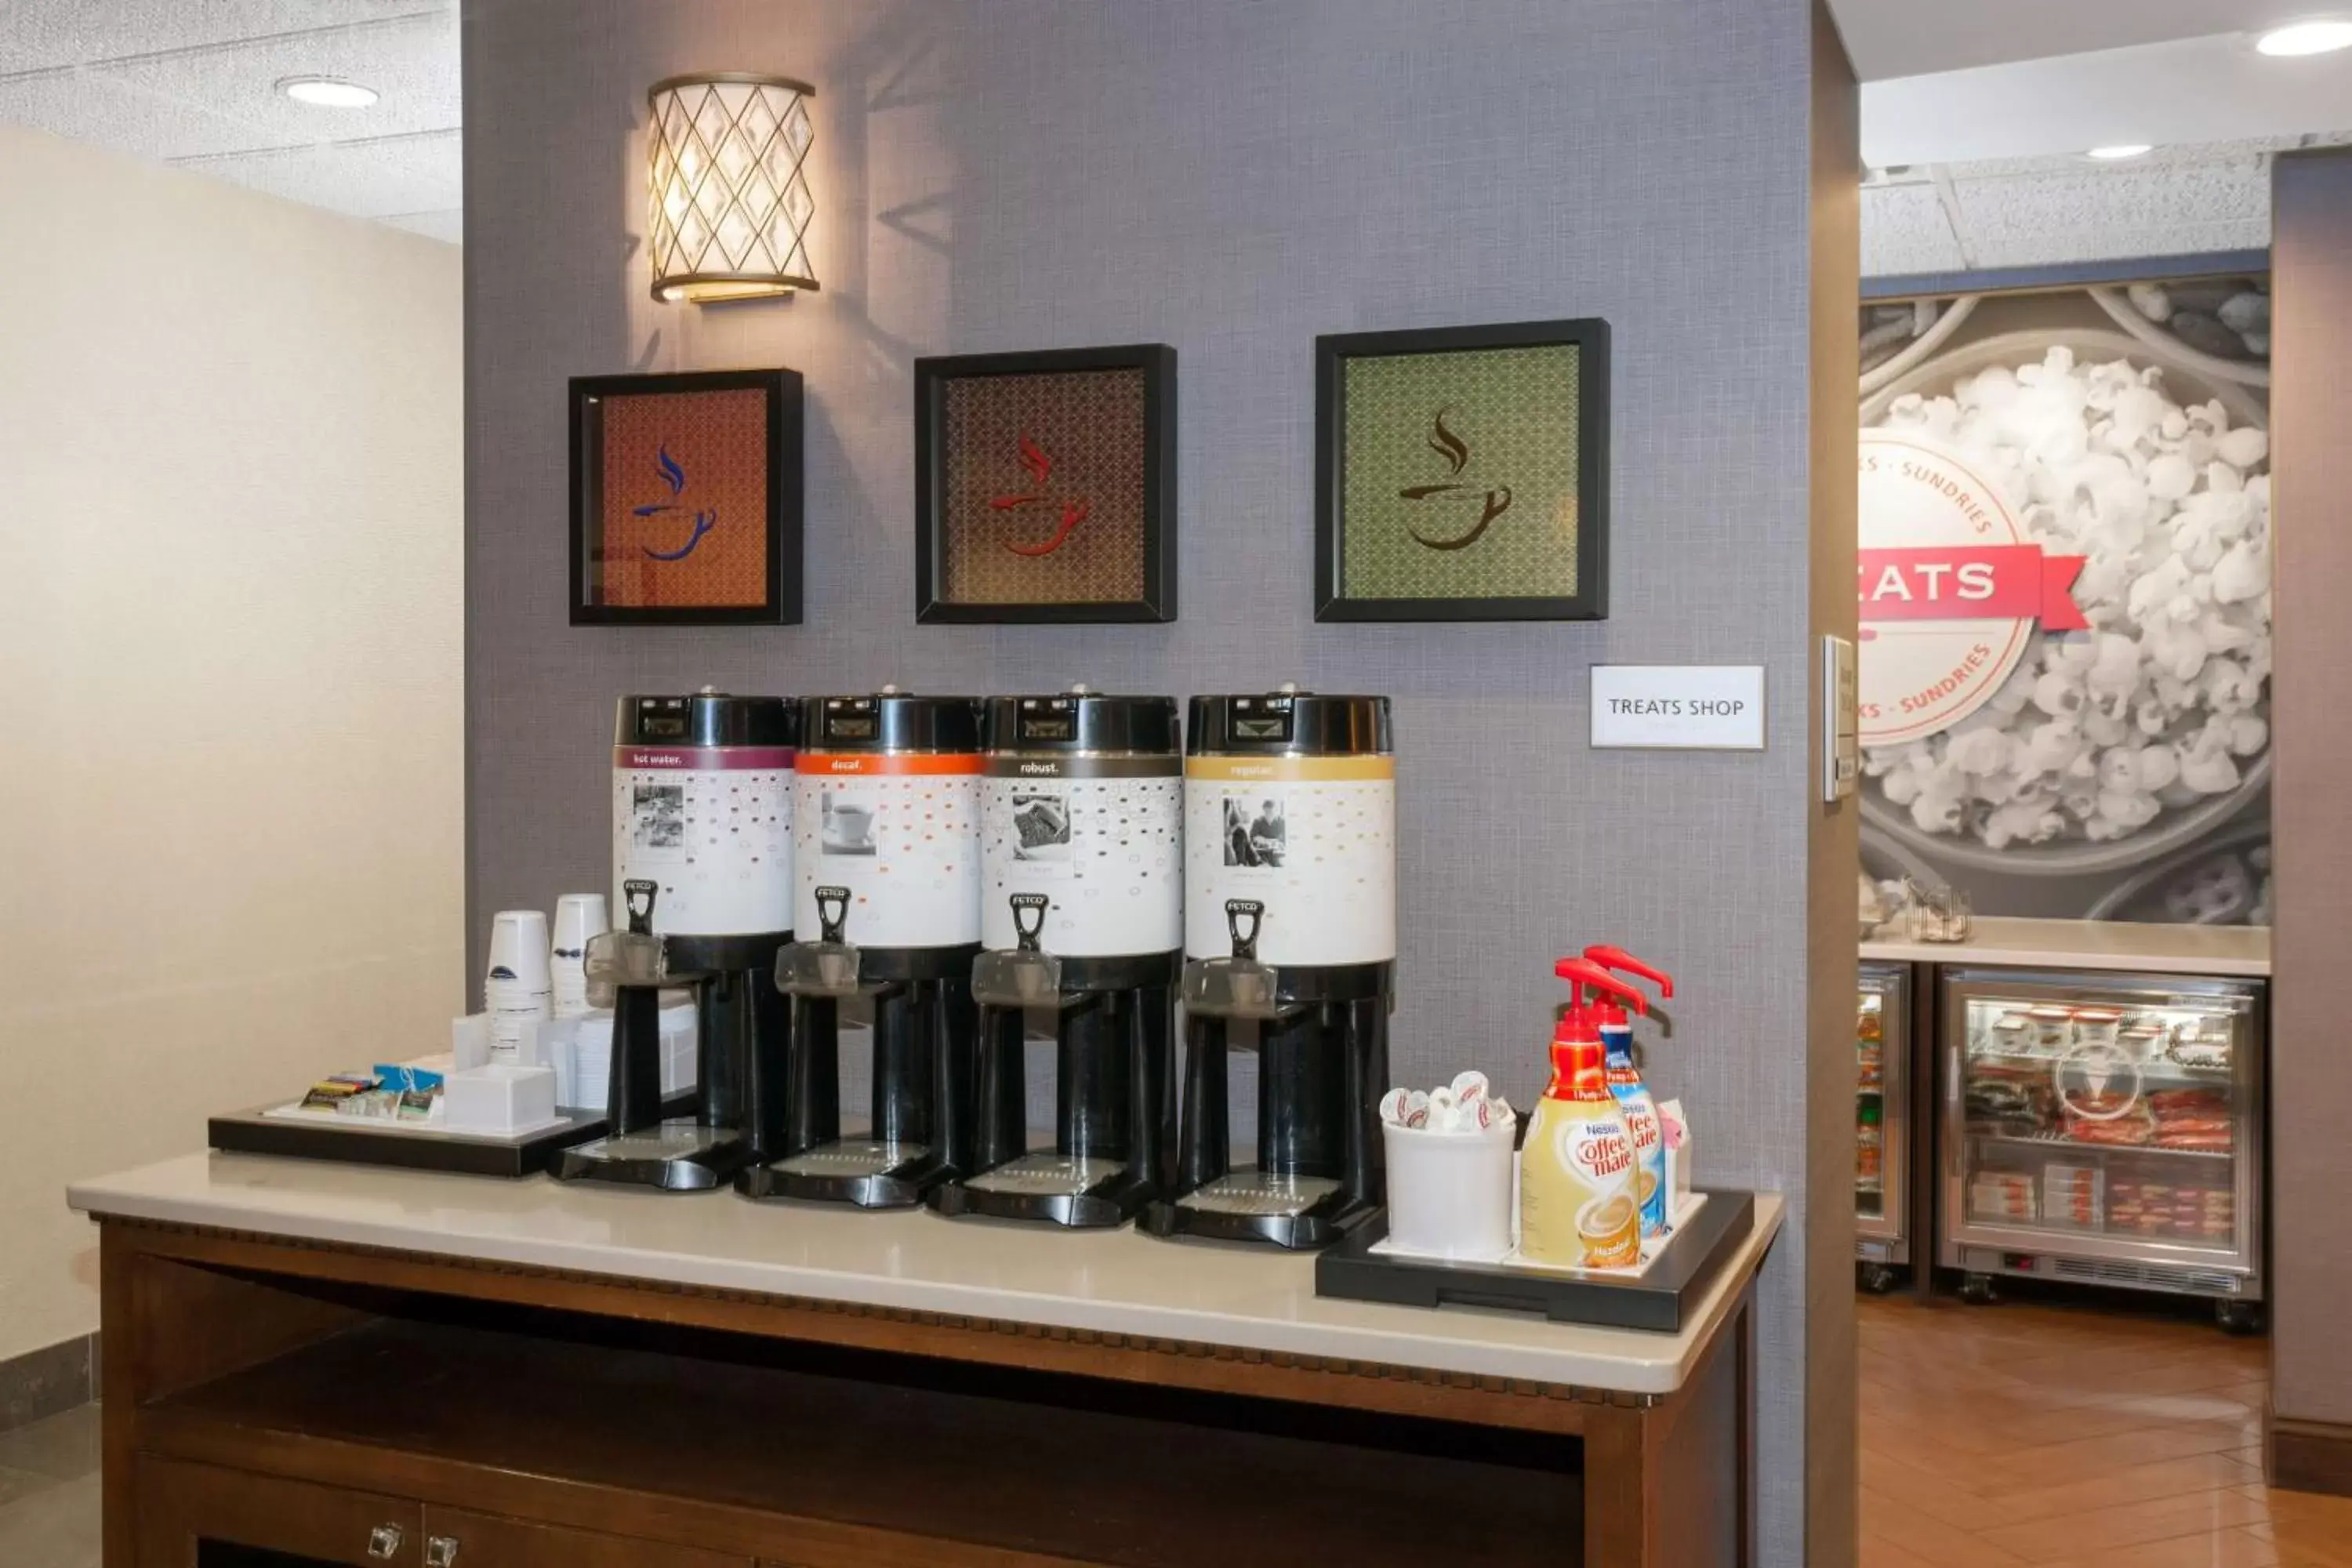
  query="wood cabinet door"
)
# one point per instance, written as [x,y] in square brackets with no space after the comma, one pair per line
[455,1538]
[200,1516]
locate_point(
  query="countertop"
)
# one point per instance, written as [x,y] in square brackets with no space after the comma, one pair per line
[2093,945]
[1115,1281]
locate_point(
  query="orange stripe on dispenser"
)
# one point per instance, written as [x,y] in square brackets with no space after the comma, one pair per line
[877,765]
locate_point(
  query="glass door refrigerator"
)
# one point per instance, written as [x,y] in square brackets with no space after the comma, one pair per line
[1882,1136]
[2105,1129]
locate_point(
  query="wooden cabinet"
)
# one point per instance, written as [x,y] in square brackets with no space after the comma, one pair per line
[192,1514]
[456,1539]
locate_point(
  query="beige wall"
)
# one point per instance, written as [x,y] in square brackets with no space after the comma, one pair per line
[230,713]
[2311,811]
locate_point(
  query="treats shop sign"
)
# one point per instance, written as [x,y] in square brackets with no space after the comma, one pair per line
[1951,589]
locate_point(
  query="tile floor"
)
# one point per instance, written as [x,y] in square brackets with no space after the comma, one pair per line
[2073,1436]
[49,1492]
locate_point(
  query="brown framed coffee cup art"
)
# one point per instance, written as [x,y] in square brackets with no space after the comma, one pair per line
[1462,473]
[1045,487]
[686,498]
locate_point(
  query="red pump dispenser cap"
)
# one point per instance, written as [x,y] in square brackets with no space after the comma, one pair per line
[1617,958]
[1576,1053]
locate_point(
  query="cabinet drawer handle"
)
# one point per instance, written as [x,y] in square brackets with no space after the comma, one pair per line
[384,1542]
[440,1551]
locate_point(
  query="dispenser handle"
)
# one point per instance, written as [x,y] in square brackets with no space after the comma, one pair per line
[1591,976]
[1617,958]
[637,895]
[1029,918]
[1245,941]
[832,913]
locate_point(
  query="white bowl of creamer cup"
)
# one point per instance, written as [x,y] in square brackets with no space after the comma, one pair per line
[1450,1193]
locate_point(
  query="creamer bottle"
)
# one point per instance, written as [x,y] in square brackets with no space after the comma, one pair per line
[1633,1097]
[1578,1206]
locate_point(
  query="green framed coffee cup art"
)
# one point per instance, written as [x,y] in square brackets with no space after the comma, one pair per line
[1462,473]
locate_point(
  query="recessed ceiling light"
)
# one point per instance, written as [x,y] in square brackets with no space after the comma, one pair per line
[327,92]
[2316,37]
[2119,151]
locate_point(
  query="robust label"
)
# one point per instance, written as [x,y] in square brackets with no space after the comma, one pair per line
[1101,839]
[902,834]
[712,827]
[1950,588]
[1312,838]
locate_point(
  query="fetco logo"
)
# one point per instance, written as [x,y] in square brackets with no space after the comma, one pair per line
[1951,589]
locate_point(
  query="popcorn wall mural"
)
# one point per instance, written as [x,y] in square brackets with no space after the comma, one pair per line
[2065,581]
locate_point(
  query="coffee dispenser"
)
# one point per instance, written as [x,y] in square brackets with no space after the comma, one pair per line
[886,852]
[1290,942]
[1082,914]
[702,866]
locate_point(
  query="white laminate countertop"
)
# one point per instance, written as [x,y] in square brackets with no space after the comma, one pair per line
[2093,945]
[1114,1281]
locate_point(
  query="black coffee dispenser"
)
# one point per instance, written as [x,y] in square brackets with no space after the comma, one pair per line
[702,853]
[1290,939]
[1082,916]
[886,813]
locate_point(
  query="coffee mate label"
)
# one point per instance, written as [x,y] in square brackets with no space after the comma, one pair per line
[1952,589]
[1641,1114]
[1577,1203]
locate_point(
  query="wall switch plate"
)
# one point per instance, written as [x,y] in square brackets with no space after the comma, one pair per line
[1840,725]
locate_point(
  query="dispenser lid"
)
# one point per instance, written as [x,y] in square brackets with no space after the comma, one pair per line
[1079,720]
[707,717]
[892,721]
[1288,721]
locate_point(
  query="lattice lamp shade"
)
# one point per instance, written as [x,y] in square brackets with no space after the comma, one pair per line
[727,204]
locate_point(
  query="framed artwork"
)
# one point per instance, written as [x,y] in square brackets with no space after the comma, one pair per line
[686,498]
[1045,487]
[1461,474]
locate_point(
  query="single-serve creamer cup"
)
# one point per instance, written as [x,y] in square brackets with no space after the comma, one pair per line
[1450,1193]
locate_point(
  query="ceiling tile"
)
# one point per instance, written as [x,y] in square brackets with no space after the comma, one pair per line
[411,63]
[111,115]
[2086,213]
[75,32]
[1904,37]
[1905,231]
[366,179]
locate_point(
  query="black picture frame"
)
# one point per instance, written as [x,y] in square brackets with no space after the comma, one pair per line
[1590,335]
[1157,601]
[584,525]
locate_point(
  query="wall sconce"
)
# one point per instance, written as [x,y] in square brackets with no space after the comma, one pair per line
[728,202]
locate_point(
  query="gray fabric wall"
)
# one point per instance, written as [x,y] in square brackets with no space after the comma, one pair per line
[1231,178]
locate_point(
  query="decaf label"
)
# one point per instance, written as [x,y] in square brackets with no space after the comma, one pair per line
[1951,588]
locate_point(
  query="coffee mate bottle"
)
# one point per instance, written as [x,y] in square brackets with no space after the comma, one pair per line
[1578,1205]
[1633,1098]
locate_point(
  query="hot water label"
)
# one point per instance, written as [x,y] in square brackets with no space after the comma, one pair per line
[712,825]
[902,834]
[1312,838]
[1101,838]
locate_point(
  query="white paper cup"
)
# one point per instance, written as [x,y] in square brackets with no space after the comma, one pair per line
[1450,1193]
[518,952]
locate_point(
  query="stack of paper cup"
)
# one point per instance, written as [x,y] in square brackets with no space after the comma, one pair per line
[519,985]
[578,917]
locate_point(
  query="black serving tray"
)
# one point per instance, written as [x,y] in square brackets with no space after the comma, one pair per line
[1660,1299]
[468,1154]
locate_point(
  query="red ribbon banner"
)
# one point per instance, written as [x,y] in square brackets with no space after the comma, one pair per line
[1971,582]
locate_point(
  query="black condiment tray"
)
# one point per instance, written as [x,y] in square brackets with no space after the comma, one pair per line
[1661,1298]
[355,1142]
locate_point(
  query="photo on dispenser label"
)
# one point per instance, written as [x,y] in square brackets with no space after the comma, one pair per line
[1041,828]
[1257,832]
[847,825]
[657,817]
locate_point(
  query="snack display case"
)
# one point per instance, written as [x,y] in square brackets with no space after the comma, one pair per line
[1883,1142]
[2105,1129]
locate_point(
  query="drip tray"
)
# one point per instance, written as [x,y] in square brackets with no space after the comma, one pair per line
[852,1157]
[1258,1193]
[680,1139]
[1046,1174]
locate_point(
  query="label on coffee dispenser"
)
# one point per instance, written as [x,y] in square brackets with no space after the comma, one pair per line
[1313,838]
[901,832]
[1102,838]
